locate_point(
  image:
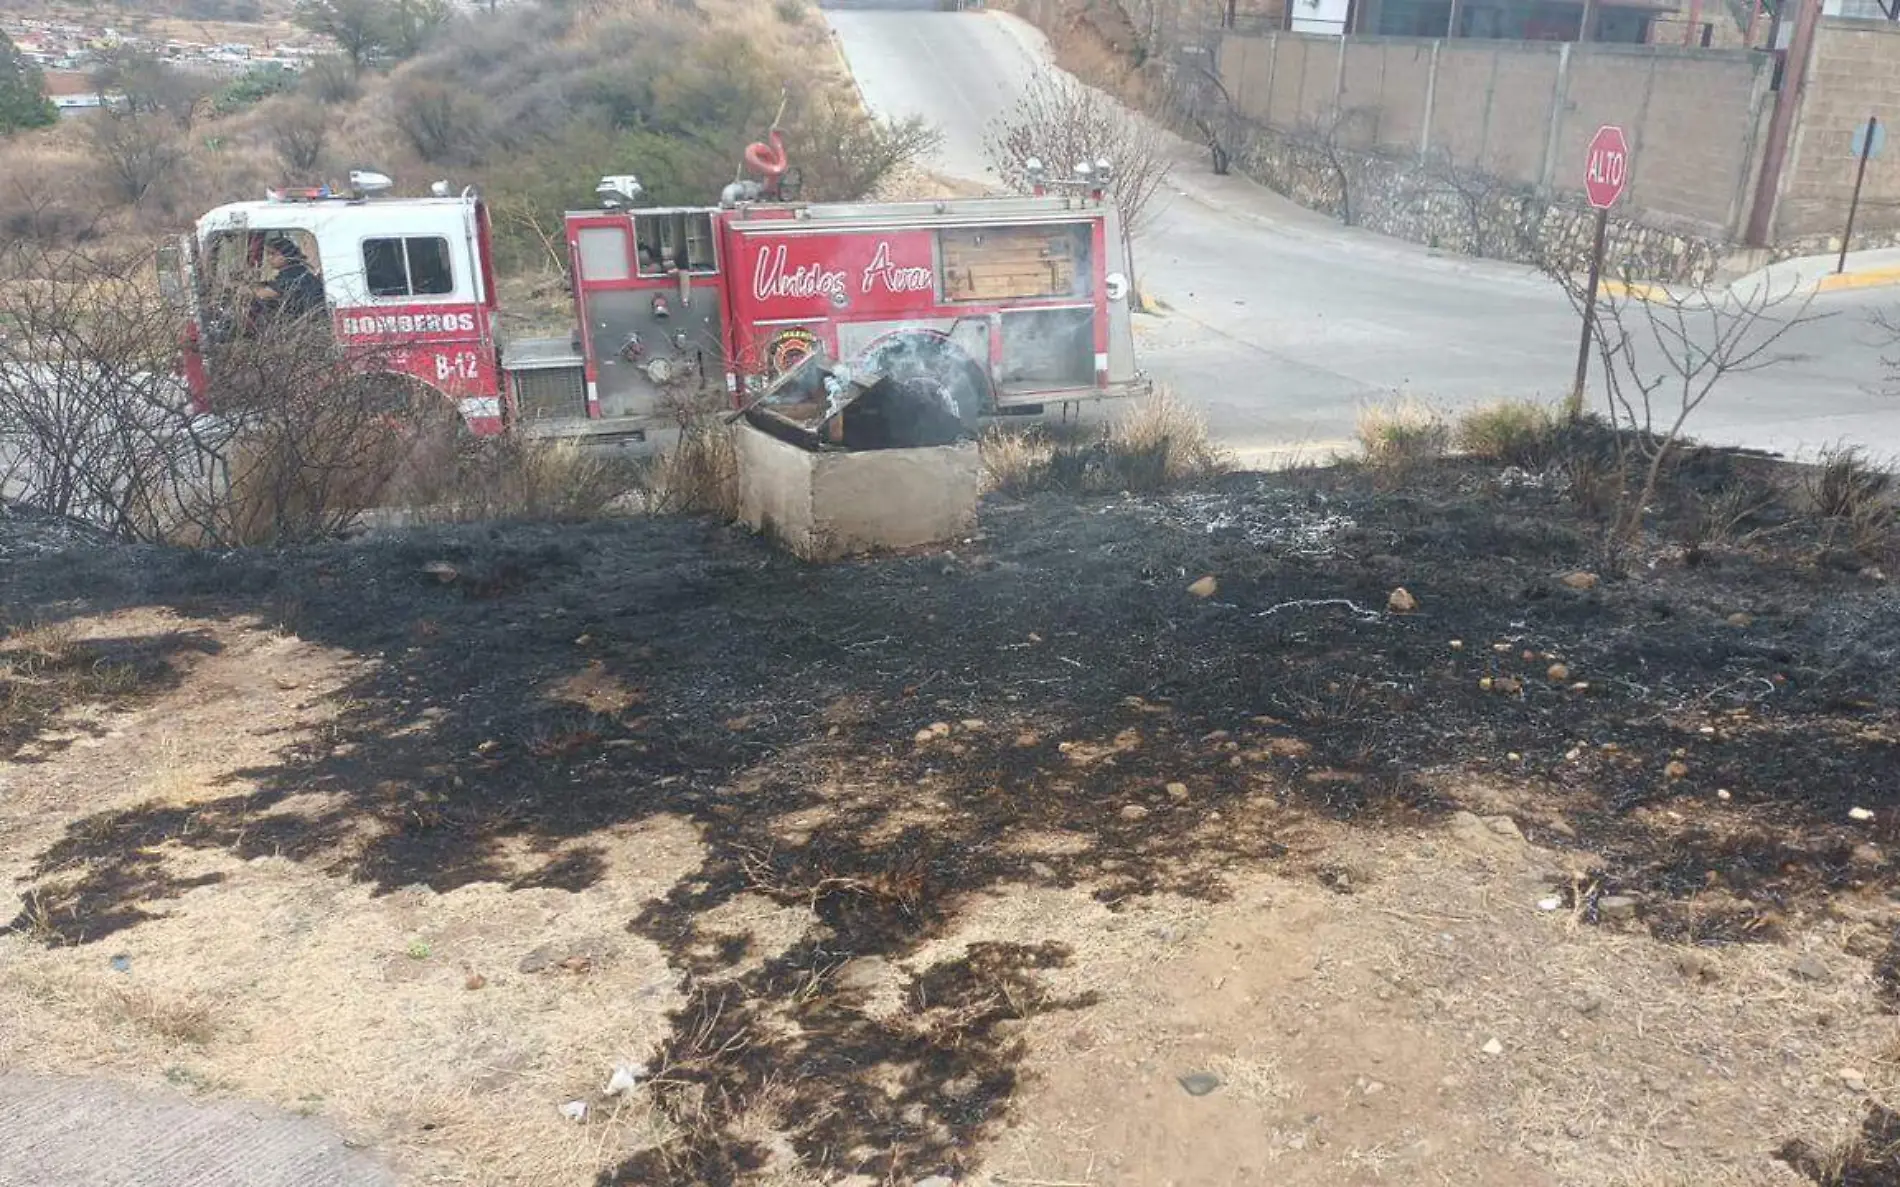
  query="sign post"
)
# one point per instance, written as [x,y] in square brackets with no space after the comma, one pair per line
[1869,139]
[1606,173]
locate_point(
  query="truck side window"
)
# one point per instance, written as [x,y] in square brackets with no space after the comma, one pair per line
[413,267]
[675,240]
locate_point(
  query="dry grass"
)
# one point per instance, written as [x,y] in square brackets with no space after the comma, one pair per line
[1164,427]
[1510,432]
[699,474]
[560,480]
[1853,496]
[293,983]
[47,669]
[1401,432]
[1156,443]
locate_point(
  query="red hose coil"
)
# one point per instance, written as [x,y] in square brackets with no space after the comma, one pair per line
[768,159]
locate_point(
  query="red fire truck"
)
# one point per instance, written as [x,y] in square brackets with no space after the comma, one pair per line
[985,306]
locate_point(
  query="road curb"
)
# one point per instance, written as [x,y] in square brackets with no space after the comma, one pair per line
[1833,282]
[1872,278]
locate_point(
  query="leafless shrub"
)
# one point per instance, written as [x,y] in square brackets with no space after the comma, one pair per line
[96,426]
[844,154]
[1661,358]
[441,122]
[136,152]
[330,80]
[298,131]
[1328,139]
[1062,123]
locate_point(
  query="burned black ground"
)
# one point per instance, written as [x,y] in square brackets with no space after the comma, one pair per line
[1090,679]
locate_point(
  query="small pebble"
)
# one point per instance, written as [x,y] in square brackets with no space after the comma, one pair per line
[1199,1083]
[1861,814]
[1493,1047]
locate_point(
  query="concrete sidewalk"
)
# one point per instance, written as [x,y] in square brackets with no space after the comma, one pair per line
[65,1132]
[1790,279]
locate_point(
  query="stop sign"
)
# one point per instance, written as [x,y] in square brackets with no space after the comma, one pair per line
[1607,169]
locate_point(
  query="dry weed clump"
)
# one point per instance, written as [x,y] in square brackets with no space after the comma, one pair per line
[1401,432]
[1158,442]
[1853,497]
[562,480]
[699,474]
[1510,432]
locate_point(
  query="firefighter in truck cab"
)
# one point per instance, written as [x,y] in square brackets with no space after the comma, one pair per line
[292,294]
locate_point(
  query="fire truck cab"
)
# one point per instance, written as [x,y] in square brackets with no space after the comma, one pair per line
[983,306]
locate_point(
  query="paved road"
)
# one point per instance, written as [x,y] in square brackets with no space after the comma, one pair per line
[58,1132]
[1283,322]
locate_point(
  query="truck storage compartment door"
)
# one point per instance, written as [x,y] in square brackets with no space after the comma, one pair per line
[650,303]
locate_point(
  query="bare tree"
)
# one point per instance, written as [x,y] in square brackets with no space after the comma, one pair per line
[844,154]
[1062,123]
[137,152]
[1662,353]
[298,131]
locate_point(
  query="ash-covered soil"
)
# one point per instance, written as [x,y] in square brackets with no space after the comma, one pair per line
[1054,674]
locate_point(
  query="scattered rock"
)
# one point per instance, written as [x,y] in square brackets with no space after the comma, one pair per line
[863,975]
[1617,906]
[1200,1083]
[1697,966]
[475,981]
[1401,601]
[1043,870]
[1868,855]
[575,1110]
[442,571]
[1722,793]
[936,1181]
[1558,673]
[121,963]
[1810,969]
[1590,1007]
[1493,1047]
[1288,747]
[1177,792]
[1861,814]
[1206,587]
[1134,812]
[974,724]
[961,1088]
[1374,1088]
[1580,580]
[1741,618]
[1853,1079]
[1550,903]
[1677,769]
[575,956]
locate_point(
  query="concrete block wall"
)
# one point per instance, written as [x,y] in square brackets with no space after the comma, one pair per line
[1525,112]
[1855,73]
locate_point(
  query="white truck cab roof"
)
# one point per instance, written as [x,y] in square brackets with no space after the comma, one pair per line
[340,229]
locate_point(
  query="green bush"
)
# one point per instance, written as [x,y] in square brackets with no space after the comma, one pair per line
[253,87]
